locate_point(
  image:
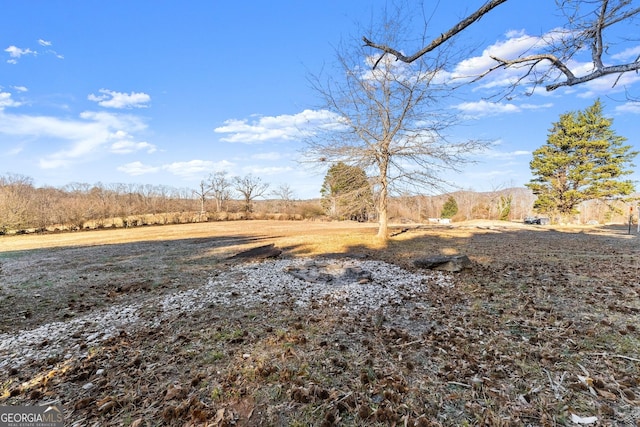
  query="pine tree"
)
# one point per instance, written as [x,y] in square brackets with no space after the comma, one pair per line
[583,159]
[346,193]
[450,208]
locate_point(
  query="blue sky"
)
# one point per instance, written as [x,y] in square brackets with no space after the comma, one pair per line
[166,92]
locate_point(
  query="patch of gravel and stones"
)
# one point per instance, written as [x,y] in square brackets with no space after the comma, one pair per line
[354,285]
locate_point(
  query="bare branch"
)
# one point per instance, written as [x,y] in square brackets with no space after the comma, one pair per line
[475,16]
[582,29]
[614,69]
[536,59]
[596,46]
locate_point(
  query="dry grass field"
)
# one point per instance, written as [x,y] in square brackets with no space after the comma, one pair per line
[543,330]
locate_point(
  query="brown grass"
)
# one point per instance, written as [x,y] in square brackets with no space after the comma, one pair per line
[311,237]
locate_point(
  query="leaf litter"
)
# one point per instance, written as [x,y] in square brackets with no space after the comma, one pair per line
[544,336]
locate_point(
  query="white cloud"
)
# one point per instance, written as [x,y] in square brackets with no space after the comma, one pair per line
[6,101]
[519,44]
[516,43]
[112,99]
[482,108]
[16,52]
[79,140]
[387,65]
[128,146]
[607,85]
[119,122]
[124,143]
[196,169]
[485,108]
[20,88]
[629,107]
[630,54]
[137,168]
[536,106]
[192,169]
[285,127]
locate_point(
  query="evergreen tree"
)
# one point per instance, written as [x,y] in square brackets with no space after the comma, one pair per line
[450,208]
[346,193]
[583,159]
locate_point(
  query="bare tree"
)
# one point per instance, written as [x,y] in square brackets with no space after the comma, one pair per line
[75,204]
[202,192]
[101,203]
[286,196]
[587,22]
[389,122]
[16,197]
[250,187]
[220,188]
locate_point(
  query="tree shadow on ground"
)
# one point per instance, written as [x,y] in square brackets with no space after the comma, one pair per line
[58,284]
[499,245]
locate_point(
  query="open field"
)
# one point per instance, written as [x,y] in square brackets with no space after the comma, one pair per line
[159,326]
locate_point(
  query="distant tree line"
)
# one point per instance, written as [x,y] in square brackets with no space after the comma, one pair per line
[345,195]
[27,208]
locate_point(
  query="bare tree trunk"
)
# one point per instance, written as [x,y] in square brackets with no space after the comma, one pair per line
[383,202]
[383,215]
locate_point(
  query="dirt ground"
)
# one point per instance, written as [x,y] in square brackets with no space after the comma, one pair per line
[542,330]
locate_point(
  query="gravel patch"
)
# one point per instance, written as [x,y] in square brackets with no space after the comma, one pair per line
[351,284]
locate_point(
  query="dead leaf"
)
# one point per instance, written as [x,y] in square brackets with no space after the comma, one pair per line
[607,394]
[174,392]
[219,417]
[83,403]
